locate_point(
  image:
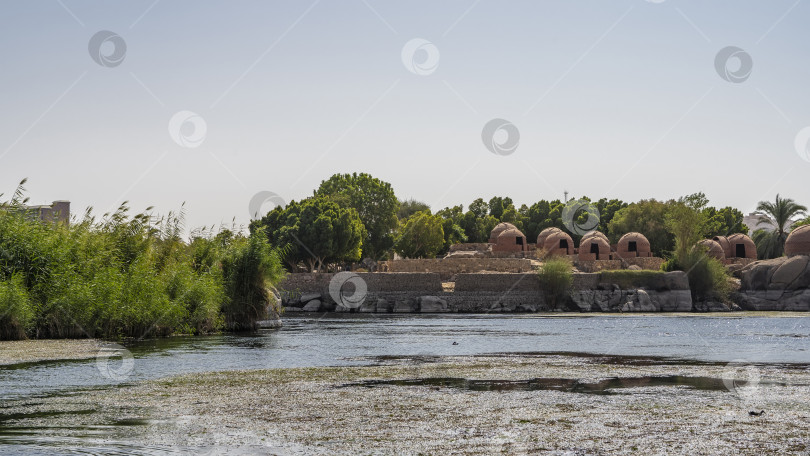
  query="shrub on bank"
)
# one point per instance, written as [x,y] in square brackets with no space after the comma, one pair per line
[127,276]
[556,279]
[708,278]
[16,315]
[628,279]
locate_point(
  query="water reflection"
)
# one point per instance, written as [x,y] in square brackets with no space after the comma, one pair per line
[356,339]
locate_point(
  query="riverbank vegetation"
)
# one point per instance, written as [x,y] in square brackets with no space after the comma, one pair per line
[125,275]
[556,279]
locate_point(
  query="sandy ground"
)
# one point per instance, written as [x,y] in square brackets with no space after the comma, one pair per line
[332,411]
[27,351]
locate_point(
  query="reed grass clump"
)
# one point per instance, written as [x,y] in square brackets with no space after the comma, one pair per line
[125,276]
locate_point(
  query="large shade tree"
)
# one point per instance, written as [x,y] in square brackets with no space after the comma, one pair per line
[779,215]
[420,236]
[375,203]
[647,217]
[316,231]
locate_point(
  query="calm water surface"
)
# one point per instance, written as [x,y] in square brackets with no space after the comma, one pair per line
[338,340]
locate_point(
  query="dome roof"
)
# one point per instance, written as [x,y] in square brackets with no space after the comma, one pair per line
[558,243]
[723,241]
[748,247]
[586,248]
[541,238]
[713,249]
[640,248]
[499,228]
[798,241]
[511,233]
[597,234]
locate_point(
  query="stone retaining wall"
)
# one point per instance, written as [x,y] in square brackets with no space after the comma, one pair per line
[488,293]
[447,267]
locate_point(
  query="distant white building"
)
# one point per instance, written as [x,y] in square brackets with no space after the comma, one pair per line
[58,211]
[752,222]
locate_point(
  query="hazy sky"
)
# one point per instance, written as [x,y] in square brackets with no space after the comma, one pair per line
[618,98]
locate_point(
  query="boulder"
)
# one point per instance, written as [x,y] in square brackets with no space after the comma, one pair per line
[313,306]
[368,306]
[672,300]
[792,274]
[778,284]
[306,297]
[638,301]
[406,306]
[432,304]
[383,306]
[710,306]
[293,309]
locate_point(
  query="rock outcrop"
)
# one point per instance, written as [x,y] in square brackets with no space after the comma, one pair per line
[778,284]
[670,293]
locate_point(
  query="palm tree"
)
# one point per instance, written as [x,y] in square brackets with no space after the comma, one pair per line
[779,215]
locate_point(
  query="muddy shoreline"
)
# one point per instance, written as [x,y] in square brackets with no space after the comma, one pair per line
[419,405]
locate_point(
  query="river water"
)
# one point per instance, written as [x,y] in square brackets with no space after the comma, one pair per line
[357,339]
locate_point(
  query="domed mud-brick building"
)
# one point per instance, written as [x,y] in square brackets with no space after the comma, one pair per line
[597,234]
[510,240]
[541,238]
[633,245]
[798,242]
[594,247]
[725,245]
[741,246]
[558,243]
[499,228]
[713,249]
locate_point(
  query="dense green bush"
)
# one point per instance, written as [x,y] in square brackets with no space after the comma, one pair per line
[16,314]
[708,278]
[249,267]
[127,276]
[556,279]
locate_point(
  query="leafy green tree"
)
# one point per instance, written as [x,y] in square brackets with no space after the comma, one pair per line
[497,205]
[607,210]
[723,222]
[316,231]
[452,218]
[686,223]
[374,201]
[779,215]
[647,217]
[479,208]
[421,235]
[478,229]
[804,221]
[541,215]
[409,207]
